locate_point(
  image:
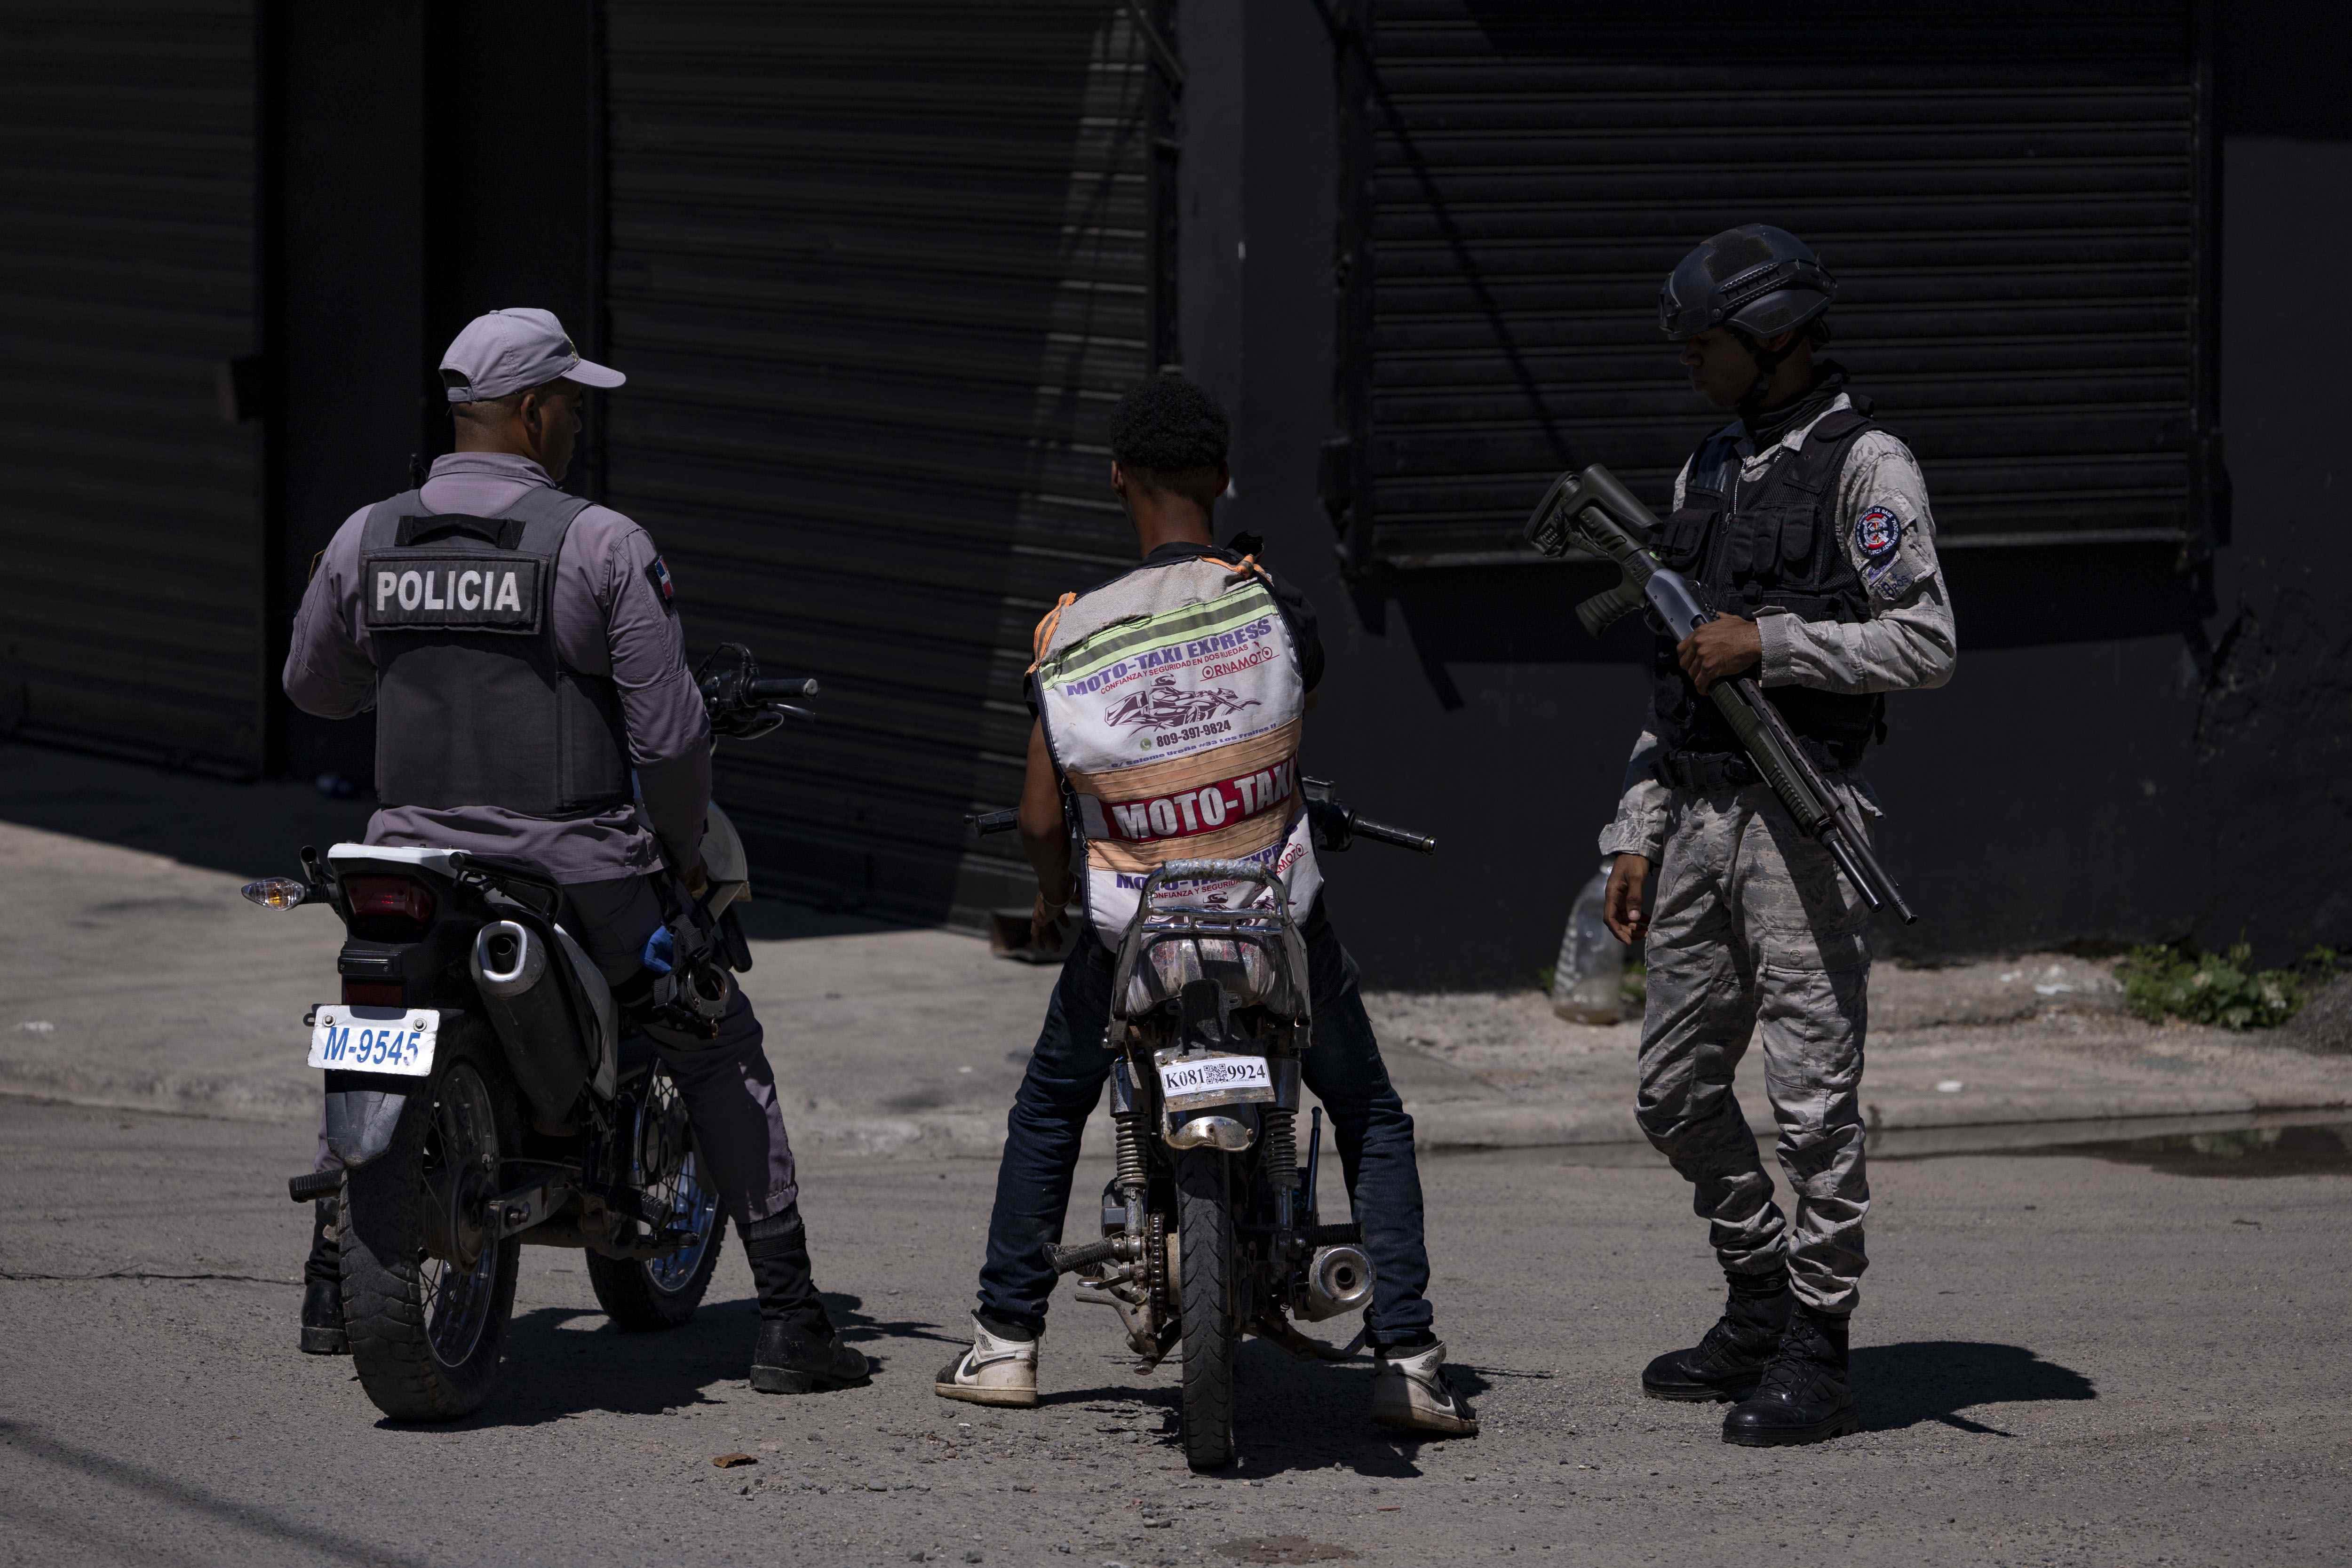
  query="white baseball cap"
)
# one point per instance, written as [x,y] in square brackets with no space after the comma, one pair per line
[514,350]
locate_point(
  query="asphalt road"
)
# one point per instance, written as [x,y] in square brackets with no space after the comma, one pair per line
[2062,1359]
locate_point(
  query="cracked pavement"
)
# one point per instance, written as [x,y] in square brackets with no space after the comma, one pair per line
[2060,1359]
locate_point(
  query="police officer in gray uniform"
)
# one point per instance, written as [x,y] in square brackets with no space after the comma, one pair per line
[1806,527]
[510,733]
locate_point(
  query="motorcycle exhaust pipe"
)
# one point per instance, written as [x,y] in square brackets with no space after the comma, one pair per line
[1339,1280]
[531,1014]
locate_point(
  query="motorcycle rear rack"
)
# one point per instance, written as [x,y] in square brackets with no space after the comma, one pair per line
[1270,928]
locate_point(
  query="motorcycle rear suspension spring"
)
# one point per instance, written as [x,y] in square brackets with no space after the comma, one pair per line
[1281,1142]
[1128,1141]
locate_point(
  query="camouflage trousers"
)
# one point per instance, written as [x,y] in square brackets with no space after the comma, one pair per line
[1755,931]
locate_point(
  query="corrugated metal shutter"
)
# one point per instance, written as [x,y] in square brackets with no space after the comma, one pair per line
[877,271]
[130,515]
[2012,196]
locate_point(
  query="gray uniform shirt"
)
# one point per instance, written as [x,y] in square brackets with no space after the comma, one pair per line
[1907,644]
[611,620]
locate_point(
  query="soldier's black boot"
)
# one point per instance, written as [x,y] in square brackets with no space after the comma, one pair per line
[1805,1396]
[322,1287]
[798,1351]
[1726,1363]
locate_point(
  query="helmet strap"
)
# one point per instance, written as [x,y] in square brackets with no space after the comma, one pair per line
[1767,361]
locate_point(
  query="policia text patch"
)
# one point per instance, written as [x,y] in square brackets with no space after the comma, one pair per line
[493,591]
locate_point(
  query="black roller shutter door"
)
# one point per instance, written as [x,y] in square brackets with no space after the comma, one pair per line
[2013,197]
[877,271]
[129,513]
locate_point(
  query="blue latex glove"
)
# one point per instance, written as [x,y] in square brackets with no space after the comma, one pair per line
[660,951]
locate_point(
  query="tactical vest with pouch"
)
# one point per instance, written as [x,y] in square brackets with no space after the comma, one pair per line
[1172,700]
[1775,543]
[474,705]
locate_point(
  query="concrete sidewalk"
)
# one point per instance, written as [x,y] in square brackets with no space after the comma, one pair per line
[132,974]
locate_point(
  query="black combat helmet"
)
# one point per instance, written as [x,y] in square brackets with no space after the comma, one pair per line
[1760,279]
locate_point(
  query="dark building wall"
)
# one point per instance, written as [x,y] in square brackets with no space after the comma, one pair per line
[2272,739]
[429,161]
[2126,751]
[346,208]
[131,617]
[2114,761]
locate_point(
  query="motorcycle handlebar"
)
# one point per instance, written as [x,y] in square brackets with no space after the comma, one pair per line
[1381,832]
[779,687]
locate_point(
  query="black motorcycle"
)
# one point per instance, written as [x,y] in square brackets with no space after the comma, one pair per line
[1209,1224]
[486,1088]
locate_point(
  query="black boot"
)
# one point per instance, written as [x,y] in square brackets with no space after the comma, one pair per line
[1805,1396]
[322,1287]
[799,1352]
[1727,1361]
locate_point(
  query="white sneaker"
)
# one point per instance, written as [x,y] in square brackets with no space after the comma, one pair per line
[1409,1390]
[994,1372]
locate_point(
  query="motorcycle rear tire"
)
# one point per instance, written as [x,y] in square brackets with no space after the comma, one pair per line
[1205,1266]
[426,1339]
[635,1301]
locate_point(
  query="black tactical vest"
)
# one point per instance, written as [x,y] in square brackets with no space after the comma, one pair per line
[473,705]
[1773,543]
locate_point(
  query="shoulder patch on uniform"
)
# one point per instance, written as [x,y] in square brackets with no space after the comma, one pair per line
[658,573]
[1877,532]
[1890,579]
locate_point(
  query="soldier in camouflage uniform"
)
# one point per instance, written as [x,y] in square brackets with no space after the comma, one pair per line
[1807,528]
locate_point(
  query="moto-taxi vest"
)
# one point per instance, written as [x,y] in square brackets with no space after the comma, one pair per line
[474,706]
[1774,543]
[1172,700]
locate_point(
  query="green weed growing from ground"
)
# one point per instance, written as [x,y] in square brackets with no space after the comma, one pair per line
[2222,989]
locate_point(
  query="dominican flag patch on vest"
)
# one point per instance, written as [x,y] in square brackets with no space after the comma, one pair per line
[658,573]
[1877,532]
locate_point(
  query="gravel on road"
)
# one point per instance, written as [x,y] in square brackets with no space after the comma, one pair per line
[2069,1358]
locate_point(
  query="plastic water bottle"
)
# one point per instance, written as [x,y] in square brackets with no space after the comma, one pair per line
[1588,983]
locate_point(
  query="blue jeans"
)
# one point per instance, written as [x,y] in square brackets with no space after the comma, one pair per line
[1342,1067]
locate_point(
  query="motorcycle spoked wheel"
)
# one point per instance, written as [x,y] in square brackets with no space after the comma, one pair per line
[1205,1266]
[654,1293]
[427,1297]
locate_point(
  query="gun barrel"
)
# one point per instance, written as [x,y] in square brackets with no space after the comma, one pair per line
[1801,789]
[1594,508]
[1862,869]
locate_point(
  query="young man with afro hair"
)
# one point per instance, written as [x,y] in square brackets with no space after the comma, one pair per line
[1138,725]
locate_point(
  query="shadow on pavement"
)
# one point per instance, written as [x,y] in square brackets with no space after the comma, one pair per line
[74,1519]
[257,829]
[1933,1380]
[251,829]
[1290,1414]
[557,1366]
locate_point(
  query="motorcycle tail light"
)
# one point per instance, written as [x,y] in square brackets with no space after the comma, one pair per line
[373,994]
[388,908]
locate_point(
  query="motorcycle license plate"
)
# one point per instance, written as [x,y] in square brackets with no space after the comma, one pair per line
[375,1040]
[1190,1083]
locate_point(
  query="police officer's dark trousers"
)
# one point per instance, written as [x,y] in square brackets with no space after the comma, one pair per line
[729,1087]
[1343,1067]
